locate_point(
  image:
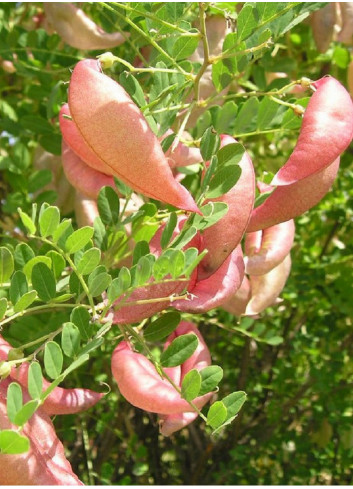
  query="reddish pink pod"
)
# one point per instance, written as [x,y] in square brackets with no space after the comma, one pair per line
[237,303]
[81,176]
[200,359]
[289,201]
[326,131]
[266,288]
[143,387]
[216,289]
[45,462]
[268,248]
[73,138]
[117,132]
[224,236]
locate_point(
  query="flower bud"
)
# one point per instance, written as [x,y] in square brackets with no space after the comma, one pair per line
[5,369]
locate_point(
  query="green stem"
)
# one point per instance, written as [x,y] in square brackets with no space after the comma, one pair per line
[206,51]
[33,310]
[153,17]
[148,38]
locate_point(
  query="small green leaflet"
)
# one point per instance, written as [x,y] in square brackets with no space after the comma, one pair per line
[191,384]
[210,378]
[25,301]
[53,359]
[43,282]
[89,261]
[18,286]
[162,327]
[210,143]
[27,410]
[6,264]
[70,340]
[14,400]
[13,443]
[81,318]
[78,239]
[216,415]
[35,380]
[179,350]
[49,221]
[27,222]
[108,206]
[168,230]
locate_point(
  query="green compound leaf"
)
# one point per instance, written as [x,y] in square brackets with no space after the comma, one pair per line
[53,359]
[179,350]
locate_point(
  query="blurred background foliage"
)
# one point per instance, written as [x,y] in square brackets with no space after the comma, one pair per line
[296,427]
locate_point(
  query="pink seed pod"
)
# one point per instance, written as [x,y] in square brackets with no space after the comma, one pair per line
[346,32]
[81,176]
[237,303]
[289,201]
[200,359]
[45,462]
[219,287]
[322,24]
[266,288]
[224,236]
[114,129]
[275,244]
[78,30]
[143,387]
[326,132]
